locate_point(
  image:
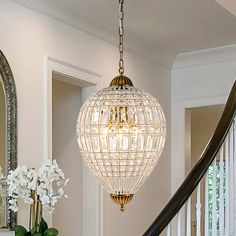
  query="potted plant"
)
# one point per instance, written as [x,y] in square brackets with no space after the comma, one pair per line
[41,189]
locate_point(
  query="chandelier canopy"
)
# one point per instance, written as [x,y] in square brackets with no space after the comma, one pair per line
[121,134]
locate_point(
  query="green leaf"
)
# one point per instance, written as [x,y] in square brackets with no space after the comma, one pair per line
[51,232]
[20,230]
[37,234]
[43,226]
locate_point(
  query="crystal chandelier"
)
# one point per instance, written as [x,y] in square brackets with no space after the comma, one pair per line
[121,133]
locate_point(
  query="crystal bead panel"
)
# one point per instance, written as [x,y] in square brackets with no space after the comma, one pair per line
[121,134]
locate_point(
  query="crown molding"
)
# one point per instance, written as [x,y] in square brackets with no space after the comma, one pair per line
[205,57]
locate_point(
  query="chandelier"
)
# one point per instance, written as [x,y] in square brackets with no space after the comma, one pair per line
[121,133]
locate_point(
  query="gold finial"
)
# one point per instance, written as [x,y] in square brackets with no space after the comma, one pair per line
[121,80]
[122,199]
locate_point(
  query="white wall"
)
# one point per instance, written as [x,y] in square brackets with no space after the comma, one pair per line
[66,100]
[203,124]
[26,37]
[200,78]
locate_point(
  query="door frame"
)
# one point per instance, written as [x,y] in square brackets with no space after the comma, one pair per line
[83,76]
[180,136]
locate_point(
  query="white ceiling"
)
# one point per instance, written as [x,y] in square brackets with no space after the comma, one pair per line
[156,29]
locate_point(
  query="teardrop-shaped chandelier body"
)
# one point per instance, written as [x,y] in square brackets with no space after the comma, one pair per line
[121,133]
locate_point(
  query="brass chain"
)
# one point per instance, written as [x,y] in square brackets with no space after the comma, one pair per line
[121,36]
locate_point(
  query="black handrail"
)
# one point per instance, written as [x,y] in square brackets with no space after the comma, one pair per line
[199,170]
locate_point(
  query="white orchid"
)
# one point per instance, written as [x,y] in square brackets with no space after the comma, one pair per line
[50,184]
[20,183]
[47,183]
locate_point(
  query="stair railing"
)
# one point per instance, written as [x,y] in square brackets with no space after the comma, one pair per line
[220,194]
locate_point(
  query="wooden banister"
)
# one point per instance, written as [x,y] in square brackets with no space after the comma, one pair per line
[199,170]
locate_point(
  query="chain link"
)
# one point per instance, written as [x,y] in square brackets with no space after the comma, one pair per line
[121,36]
